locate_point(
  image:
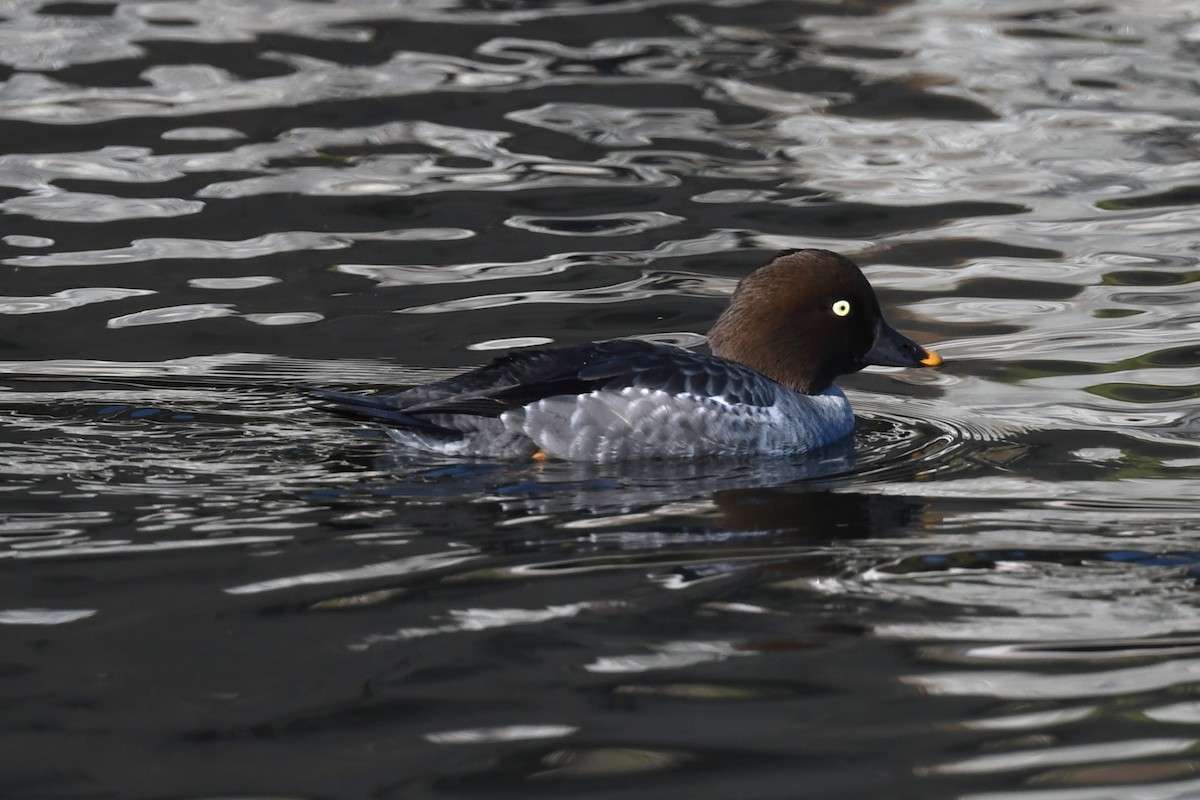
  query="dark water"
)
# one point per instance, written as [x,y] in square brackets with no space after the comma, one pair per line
[211,590]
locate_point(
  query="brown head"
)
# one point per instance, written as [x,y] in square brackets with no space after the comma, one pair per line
[808,316]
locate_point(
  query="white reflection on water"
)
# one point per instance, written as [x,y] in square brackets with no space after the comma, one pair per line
[650,284]
[67,298]
[594,224]
[63,206]
[390,275]
[1184,713]
[507,733]
[192,90]
[1021,602]
[43,616]
[510,344]
[1111,497]
[1089,106]
[667,656]
[1051,131]
[397,567]
[33,41]
[1034,720]
[284,318]
[698,284]
[161,316]
[108,548]
[244,282]
[220,368]
[643,288]
[1077,684]
[22,240]
[256,247]
[481,619]
[614,126]
[1124,790]
[210,134]
[1057,756]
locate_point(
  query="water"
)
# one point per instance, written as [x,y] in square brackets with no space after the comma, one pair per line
[213,590]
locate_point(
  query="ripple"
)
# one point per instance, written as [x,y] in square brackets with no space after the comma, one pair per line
[172,314]
[735,196]
[108,549]
[351,180]
[32,42]
[686,339]
[974,311]
[507,733]
[1082,652]
[478,619]
[1052,756]
[200,89]
[404,566]
[1031,685]
[239,369]
[244,282]
[1017,529]
[667,656]
[63,206]
[47,526]
[599,762]
[256,247]
[1184,713]
[1034,595]
[19,240]
[649,285]
[1104,786]
[625,127]
[595,224]
[409,275]
[43,616]
[33,172]
[1175,196]
[66,299]
[284,318]
[202,134]
[510,343]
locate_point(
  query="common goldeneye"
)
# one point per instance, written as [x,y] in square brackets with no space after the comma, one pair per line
[790,328]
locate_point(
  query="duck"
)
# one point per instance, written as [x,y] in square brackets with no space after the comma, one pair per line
[791,327]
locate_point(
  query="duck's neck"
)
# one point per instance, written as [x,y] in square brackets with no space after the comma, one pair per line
[777,358]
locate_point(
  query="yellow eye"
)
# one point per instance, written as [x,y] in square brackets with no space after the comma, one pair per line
[841,308]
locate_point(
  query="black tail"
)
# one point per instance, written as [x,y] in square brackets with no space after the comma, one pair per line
[377,408]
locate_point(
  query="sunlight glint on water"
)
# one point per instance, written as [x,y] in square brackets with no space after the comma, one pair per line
[214,589]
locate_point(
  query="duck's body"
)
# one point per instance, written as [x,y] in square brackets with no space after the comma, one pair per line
[606,401]
[790,328]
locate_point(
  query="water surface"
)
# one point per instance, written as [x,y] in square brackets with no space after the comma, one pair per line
[212,589]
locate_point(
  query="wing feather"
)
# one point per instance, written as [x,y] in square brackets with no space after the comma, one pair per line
[523,377]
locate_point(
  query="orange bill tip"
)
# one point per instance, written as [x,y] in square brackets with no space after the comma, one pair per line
[931,359]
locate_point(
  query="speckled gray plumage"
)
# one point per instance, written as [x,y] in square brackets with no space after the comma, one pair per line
[605,401]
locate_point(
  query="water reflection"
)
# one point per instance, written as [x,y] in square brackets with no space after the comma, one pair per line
[988,593]
[65,299]
[595,224]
